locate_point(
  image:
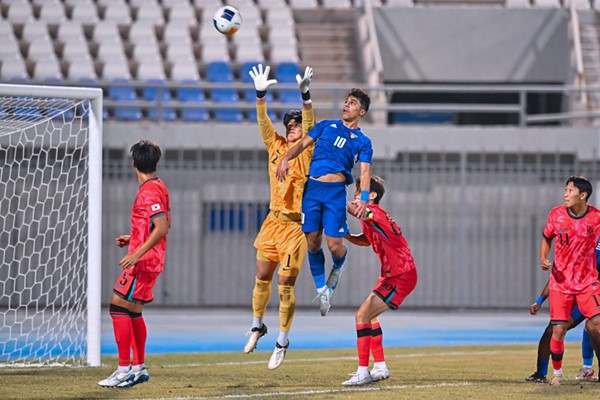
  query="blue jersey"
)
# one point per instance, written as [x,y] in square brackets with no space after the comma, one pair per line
[338,148]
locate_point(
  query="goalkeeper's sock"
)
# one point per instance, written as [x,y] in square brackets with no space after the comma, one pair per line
[377,342]
[140,334]
[287,306]
[317,267]
[122,329]
[261,294]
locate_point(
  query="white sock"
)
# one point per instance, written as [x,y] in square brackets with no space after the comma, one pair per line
[379,365]
[123,369]
[137,368]
[257,322]
[282,339]
[558,372]
[362,371]
[322,289]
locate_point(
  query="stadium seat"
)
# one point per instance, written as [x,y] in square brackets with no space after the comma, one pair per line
[52,13]
[19,13]
[13,69]
[124,95]
[219,71]
[290,96]
[192,95]
[227,96]
[285,72]
[84,12]
[151,93]
[117,12]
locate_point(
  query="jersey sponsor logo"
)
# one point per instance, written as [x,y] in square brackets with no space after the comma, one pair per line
[155,207]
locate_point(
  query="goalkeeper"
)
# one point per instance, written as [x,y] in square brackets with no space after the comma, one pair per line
[280,240]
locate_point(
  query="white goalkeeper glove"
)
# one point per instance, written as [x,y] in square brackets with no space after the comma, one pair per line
[304,81]
[260,78]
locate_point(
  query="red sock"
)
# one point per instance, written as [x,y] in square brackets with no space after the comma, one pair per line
[557,350]
[377,342]
[122,329]
[138,344]
[363,343]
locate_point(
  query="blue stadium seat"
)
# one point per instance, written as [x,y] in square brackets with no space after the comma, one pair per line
[245,70]
[286,72]
[192,95]
[124,95]
[219,71]
[271,114]
[227,96]
[150,93]
[289,96]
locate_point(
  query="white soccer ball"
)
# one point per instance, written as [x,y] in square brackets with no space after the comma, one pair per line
[227,20]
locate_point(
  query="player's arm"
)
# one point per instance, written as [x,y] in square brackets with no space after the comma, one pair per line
[122,240]
[535,307]
[282,168]
[308,115]
[545,247]
[261,84]
[365,186]
[161,228]
[359,239]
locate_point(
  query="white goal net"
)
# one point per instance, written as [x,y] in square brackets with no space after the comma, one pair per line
[50,180]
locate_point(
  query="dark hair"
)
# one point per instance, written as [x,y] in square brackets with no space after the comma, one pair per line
[292,114]
[375,186]
[582,184]
[362,96]
[145,155]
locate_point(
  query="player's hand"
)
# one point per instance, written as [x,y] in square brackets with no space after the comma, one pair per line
[282,170]
[546,264]
[361,209]
[534,308]
[304,81]
[128,261]
[122,240]
[261,77]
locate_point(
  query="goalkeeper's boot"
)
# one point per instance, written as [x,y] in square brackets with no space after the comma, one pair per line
[255,334]
[278,355]
[334,277]
[140,376]
[116,378]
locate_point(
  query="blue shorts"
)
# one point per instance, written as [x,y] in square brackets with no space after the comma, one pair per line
[324,207]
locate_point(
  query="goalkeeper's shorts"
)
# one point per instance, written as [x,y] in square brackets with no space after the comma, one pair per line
[281,240]
[135,286]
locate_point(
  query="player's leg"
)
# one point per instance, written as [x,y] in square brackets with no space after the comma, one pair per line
[587,354]
[119,313]
[560,308]
[587,303]
[335,225]
[380,370]
[370,309]
[338,254]
[261,295]
[543,357]
[293,245]
[312,226]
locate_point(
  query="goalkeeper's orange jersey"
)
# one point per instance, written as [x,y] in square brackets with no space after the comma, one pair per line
[286,196]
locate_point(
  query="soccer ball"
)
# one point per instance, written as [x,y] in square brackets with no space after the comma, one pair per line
[227,20]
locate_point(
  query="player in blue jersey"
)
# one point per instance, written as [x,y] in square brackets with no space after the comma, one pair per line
[543,354]
[339,145]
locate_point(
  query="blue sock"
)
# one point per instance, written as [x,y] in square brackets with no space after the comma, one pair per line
[542,366]
[317,267]
[587,351]
[339,262]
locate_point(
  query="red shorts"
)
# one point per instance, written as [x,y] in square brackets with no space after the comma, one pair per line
[394,289]
[135,286]
[561,304]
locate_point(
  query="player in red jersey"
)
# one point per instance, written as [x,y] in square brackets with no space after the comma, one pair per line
[574,277]
[397,280]
[150,223]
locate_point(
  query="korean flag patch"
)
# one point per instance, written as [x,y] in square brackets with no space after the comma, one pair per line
[155,207]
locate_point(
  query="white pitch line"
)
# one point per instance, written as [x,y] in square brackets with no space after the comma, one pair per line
[413,355]
[314,392]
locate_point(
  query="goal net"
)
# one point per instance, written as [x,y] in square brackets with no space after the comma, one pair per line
[50,180]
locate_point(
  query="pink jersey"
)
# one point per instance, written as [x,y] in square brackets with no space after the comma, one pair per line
[387,241]
[574,267]
[152,200]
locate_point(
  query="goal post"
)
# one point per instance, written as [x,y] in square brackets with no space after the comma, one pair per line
[51,224]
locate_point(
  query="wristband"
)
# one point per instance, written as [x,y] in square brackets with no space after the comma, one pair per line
[364,196]
[260,94]
[540,300]
[306,96]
